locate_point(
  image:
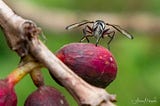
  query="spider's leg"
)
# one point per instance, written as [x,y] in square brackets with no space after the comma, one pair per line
[121,30]
[105,32]
[111,36]
[86,33]
[97,41]
[82,38]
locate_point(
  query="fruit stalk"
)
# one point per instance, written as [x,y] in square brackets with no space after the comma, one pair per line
[37,77]
[16,75]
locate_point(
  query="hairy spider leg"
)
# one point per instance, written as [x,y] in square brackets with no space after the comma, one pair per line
[87,32]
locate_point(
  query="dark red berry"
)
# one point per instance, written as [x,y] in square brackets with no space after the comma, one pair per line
[46,96]
[95,64]
[7,95]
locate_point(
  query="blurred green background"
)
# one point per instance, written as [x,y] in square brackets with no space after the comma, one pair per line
[138,59]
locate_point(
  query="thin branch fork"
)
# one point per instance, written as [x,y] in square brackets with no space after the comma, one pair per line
[22,37]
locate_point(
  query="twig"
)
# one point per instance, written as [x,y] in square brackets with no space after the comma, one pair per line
[22,37]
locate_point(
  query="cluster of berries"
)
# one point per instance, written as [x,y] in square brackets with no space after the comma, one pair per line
[95,64]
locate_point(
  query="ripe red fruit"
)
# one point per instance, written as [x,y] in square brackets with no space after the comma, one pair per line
[95,64]
[46,96]
[7,95]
